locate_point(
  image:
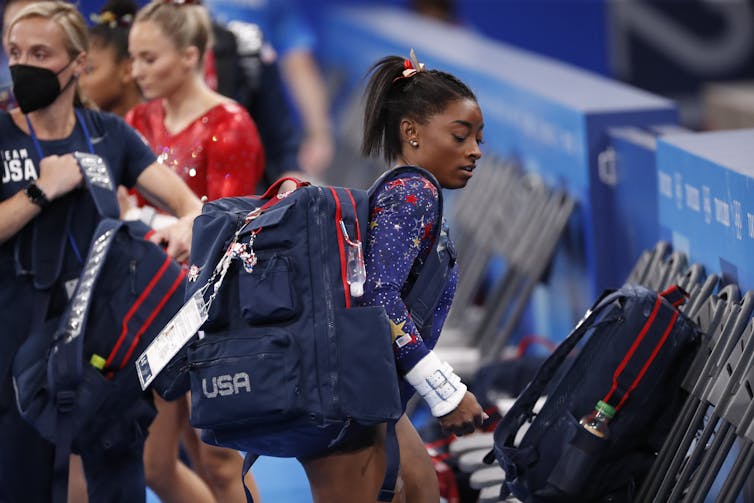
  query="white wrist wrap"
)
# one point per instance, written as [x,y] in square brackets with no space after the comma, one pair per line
[437,384]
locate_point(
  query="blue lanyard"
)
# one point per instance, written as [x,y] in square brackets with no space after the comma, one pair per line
[40,152]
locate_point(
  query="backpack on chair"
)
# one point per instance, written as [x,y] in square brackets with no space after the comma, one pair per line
[638,350]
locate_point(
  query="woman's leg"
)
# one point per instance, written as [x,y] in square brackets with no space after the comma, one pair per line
[352,476]
[219,467]
[221,470]
[417,471]
[76,481]
[170,479]
[357,475]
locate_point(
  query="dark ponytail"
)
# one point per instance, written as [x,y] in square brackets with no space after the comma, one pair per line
[391,96]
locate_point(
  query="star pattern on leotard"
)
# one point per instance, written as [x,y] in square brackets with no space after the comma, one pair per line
[403,217]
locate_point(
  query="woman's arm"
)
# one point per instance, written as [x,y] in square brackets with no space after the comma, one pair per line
[58,175]
[401,226]
[163,188]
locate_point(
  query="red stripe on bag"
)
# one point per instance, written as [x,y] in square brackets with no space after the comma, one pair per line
[633,348]
[341,248]
[135,307]
[148,322]
[649,361]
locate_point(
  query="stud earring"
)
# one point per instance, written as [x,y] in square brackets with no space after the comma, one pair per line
[414,143]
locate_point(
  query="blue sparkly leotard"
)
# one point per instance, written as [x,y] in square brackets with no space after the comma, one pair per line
[402,217]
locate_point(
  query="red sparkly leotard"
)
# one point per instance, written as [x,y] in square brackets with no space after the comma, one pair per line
[218,155]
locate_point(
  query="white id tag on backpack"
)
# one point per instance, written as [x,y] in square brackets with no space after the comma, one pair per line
[171,339]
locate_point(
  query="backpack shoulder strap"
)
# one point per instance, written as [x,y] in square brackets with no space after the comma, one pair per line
[428,286]
[65,364]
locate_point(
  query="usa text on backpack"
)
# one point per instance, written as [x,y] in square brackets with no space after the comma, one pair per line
[289,359]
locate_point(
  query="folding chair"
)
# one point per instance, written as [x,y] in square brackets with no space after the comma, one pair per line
[647,264]
[713,396]
[722,319]
[525,237]
[534,252]
[486,220]
[743,465]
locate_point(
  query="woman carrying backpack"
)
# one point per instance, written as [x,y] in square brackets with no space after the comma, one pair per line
[430,119]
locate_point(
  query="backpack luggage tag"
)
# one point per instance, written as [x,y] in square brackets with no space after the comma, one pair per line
[187,321]
[179,330]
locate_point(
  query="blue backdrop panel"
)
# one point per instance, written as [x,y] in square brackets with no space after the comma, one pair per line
[705,183]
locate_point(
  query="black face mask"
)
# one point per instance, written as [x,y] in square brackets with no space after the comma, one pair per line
[35,87]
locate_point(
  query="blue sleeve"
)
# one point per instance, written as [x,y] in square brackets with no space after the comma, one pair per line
[125,149]
[290,29]
[403,214]
[282,22]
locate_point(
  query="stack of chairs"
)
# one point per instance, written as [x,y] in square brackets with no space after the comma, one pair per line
[719,411]
[720,386]
[511,218]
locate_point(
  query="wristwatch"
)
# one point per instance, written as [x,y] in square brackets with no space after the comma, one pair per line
[36,196]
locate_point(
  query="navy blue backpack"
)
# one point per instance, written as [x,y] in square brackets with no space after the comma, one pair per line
[639,347]
[74,376]
[288,359]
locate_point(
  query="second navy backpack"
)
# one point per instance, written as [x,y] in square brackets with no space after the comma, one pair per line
[638,349]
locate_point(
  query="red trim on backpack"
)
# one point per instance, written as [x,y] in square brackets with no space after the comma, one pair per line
[649,361]
[675,295]
[135,307]
[633,348]
[148,322]
[341,247]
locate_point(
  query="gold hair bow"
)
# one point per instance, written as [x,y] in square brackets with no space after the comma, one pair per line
[410,67]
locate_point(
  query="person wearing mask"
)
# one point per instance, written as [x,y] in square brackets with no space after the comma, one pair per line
[46,45]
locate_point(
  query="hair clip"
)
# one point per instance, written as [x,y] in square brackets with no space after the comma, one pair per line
[410,67]
[109,19]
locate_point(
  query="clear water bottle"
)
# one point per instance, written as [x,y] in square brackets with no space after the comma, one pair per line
[356,273]
[597,421]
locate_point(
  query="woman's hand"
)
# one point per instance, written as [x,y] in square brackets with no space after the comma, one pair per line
[58,175]
[465,418]
[176,238]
